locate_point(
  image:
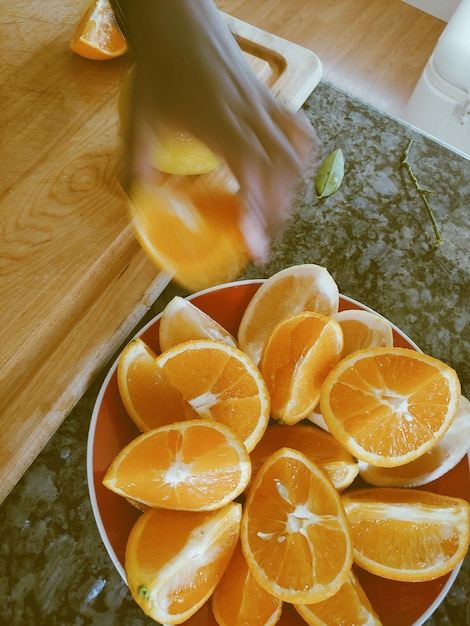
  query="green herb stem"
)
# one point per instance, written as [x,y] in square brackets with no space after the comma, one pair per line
[421,192]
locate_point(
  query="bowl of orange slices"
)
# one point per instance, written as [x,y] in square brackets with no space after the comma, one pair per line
[272,448]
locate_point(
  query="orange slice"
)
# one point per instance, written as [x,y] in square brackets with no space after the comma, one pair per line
[405,534]
[294,532]
[182,321]
[363,329]
[292,290]
[299,353]
[174,559]
[181,153]
[317,445]
[239,599]
[194,466]
[349,605]
[431,465]
[149,399]
[97,35]
[174,151]
[190,230]
[220,383]
[388,406]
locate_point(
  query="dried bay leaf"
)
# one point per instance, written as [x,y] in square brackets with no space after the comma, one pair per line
[330,174]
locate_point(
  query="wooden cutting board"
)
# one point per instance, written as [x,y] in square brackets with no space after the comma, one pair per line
[73,280]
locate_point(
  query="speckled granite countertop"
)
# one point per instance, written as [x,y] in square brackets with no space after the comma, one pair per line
[377,241]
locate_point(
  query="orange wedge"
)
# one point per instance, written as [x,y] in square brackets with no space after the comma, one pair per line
[182,154]
[97,35]
[292,290]
[182,321]
[174,559]
[294,532]
[363,329]
[194,466]
[388,406]
[406,534]
[431,465]
[149,399]
[173,151]
[299,353]
[220,383]
[239,599]
[349,605]
[317,445]
[190,230]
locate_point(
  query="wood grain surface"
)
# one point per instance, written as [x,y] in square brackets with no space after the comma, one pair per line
[73,280]
[375,49]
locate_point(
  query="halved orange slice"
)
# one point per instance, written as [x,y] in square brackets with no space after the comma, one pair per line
[298,288]
[182,321]
[349,605]
[220,382]
[194,465]
[149,399]
[407,534]
[363,329]
[175,559]
[240,599]
[388,406]
[294,531]
[317,445]
[299,353]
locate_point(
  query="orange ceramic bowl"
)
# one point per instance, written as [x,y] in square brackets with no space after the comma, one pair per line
[397,603]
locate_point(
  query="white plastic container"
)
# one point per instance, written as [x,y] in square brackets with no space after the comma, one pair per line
[440,103]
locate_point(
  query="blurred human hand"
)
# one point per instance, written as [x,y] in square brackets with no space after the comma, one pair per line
[192,75]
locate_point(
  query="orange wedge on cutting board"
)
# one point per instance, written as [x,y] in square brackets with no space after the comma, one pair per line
[97,35]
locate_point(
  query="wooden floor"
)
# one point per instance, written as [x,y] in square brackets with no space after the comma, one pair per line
[375,49]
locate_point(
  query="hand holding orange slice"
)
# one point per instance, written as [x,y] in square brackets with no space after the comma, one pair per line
[190,230]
